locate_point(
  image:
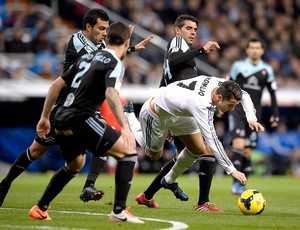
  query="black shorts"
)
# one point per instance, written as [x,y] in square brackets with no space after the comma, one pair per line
[91,134]
[239,128]
[49,141]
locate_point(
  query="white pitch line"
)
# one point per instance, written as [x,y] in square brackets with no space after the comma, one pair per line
[175,224]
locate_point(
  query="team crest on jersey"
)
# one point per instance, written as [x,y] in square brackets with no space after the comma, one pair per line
[88,48]
[210,122]
[69,100]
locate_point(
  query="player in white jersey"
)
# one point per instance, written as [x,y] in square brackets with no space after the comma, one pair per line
[186,109]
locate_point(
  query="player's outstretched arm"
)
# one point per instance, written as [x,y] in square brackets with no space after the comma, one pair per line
[141,45]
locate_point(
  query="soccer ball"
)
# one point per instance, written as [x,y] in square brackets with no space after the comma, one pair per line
[251,202]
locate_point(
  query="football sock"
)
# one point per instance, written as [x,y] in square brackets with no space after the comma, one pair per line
[135,127]
[20,165]
[237,156]
[246,166]
[123,179]
[58,181]
[97,165]
[206,171]
[155,185]
[185,159]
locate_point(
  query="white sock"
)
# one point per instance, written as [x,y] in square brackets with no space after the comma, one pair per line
[184,160]
[135,127]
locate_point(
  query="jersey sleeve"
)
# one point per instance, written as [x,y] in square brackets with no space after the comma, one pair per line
[179,52]
[115,76]
[68,76]
[248,107]
[233,72]
[271,76]
[204,119]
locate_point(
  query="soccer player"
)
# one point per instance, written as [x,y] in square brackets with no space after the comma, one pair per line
[253,75]
[98,76]
[91,38]
[179,64]
[186,108]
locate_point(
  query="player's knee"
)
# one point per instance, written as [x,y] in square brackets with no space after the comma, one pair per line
[154,156]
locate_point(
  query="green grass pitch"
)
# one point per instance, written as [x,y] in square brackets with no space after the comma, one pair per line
[68,212]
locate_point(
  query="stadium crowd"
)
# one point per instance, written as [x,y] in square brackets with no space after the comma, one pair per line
[38,38]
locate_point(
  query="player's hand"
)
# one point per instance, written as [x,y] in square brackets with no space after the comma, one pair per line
[43,128]
[240,177]
[211,46]
[254,125]
[274,121]
[128,138]
[142,44]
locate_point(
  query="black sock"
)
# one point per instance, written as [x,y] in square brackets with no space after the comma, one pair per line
[155,185]
[237,158]
[20,165]
[97,165]
[58,181]
[246,166]
[123,178]
[206,172]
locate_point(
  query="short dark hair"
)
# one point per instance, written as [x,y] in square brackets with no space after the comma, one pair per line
[229,90]
[255,40]
[92,15]
[183,17]
[117,33]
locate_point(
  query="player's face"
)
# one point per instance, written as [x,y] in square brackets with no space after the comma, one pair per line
[188,32]
[255,51]
[224,105]
[98,32]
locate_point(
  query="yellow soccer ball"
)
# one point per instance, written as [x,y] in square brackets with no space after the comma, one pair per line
[251,202]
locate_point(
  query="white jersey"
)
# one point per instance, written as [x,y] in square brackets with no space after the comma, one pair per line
[193,98]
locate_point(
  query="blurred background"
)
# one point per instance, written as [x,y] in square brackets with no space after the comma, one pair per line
[33,37]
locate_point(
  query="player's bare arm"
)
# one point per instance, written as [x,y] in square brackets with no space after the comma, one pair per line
[43,126]
[116,107]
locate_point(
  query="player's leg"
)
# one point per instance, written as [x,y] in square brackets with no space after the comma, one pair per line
[149,127]
[21,163]
[195,148]
[58,181]
[126,160]
[206,171]
[134,123]
[237,128]
[89,192]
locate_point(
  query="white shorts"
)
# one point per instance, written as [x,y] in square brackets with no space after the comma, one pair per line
[155,127]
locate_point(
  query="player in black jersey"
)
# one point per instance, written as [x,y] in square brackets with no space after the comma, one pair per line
[179,64]
[253,75]
[91,38]
[98,76]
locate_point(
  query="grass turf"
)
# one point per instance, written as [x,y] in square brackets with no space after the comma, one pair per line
[68,212]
